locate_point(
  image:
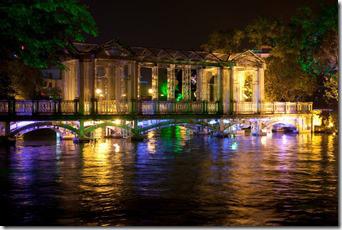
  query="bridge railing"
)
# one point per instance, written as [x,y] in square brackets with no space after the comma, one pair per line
[114,107]
[173,107]
[245,108]
[272,107]
[67,106]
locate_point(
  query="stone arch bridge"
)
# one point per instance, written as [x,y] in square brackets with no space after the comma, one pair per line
[83,128]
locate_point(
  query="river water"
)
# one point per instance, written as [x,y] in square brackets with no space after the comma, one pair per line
[171,179]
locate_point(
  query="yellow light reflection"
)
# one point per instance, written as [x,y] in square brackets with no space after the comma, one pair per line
[151,144]
[117,122]
[263,140]
[97,172]
[116,148]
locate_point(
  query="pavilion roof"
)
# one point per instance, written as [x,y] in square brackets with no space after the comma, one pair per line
[116,50]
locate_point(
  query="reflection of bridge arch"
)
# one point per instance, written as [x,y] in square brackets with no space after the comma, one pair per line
[185,123]
[92,128]
[43,125]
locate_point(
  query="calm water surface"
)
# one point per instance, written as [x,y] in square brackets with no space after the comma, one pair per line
[172,179]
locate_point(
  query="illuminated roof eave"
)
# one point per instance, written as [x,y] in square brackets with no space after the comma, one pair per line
[115,50]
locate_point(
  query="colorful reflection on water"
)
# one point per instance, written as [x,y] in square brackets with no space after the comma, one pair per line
[173,178]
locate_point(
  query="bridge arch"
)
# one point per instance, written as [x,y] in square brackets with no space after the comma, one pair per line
[44,125]
[286,121]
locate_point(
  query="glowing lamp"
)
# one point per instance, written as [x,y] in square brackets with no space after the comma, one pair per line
[98,91]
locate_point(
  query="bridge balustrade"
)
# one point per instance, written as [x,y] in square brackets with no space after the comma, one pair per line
[24,107]
[3,107]
[272,107]
[67,106]
[267,107]
[212,107]
[165,107]
[245,108]
[113,107]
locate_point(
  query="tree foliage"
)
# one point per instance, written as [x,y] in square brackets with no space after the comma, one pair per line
[284,81]
[18,80]
[317,36]
[225,41]
[264,32]
[38,32]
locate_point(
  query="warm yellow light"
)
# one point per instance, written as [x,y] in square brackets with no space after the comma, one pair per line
[124,95]
[150,91]
[331,123]
[98,91]
[317,120]
[117,121]
[116,148]
[102,148]
[101,95]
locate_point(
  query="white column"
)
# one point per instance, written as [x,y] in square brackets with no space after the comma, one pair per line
[186,82]
[219,84]
[205,85]
[123,89]
[261,76]
[111,81]
[155,83]
[236,85]
[199,85]
[132,81]
[226,90]
[256,95]
[85,81]
[235,90]
[138,66]
[171,82]
[70,80]
[118,82]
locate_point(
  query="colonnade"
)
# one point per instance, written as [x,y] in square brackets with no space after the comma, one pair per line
[109,79]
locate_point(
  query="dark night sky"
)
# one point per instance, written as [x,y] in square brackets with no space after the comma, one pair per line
[180,24]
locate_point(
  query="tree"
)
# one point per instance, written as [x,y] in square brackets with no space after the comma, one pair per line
[331,89]
[285,81]
[264,32]
[317,36]
[38,32]
[228,42]
[19,80]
